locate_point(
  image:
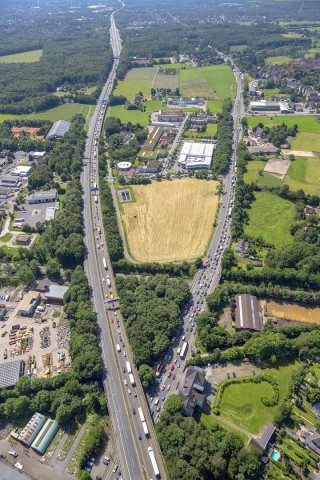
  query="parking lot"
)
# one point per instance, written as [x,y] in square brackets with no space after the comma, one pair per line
[41,341]
[31,214]
[216,374]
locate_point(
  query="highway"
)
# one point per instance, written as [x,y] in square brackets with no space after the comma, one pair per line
[132,460]
[207,278]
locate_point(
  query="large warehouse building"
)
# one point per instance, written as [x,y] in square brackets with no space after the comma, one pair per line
[196,155]
[247,312]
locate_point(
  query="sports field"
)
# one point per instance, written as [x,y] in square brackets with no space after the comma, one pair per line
[137,80]
[292,311]
[170,220]
[63,112]
[271,217]
[125,115]
[24,57]
[215,81]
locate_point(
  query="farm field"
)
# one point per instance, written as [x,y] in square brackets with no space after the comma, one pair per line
[306,141]
[133,116]
[137,80]
[306,123]
[241,403]
[166,81]
[281,60]
[170,220]
[8,116]
[214,81]
[62,112]
[271,217]
[303,173]
[295,312]
[24,57]
[215,106]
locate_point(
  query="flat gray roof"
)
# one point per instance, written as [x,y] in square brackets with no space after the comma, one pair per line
[10,373]
[46,194]
[56,291]
[59,129]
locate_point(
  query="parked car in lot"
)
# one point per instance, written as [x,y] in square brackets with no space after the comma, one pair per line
[13,453]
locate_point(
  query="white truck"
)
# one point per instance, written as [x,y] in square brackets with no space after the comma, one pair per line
[128,367]
[108,282]
[141,414]
[153,461]
[118,348]
[104,261]
[131,378]
[145,429]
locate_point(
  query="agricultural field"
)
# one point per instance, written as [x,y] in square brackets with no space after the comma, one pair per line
[291,311]
[8,116]
[215,106]
[125,115]
[271,217]
[215,81]
[303,173]
[166,81]
[24,57]
[305,141]
[241,403]
[281,60]
[63,112]
[137,80]
[170,220]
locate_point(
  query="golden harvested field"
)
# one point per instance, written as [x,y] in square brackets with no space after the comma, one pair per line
[291,311]
[170,220]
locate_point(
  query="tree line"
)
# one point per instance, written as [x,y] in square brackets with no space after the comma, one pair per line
[223,148]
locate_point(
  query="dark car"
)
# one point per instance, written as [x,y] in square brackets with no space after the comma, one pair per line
[139,436]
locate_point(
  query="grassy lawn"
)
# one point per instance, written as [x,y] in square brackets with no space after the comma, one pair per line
[253,168]
[62,112]
[24,57]
[306,141]
[8,116]
[271,217]
[281,60]
[241,404]
[215,106]
[167,81]
[306,123]
[6,237]
[270,92]
[171,220]
[214,81]
[292,35]
[133,116]
[208,420]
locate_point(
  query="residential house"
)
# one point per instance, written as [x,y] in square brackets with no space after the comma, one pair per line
[193,390]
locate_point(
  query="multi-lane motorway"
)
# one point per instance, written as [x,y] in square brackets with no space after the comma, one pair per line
[207,278]
[133,459]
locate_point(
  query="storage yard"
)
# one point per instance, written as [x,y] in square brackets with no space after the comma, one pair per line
[40,340]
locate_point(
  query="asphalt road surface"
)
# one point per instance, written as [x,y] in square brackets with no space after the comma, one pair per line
[132,460]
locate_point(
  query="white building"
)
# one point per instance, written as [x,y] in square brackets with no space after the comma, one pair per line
[22,171]
[196,155]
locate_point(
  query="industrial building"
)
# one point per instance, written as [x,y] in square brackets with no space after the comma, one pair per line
[10,372]
[22,171]
[153,139]
[56,293]
[37,157]
[31,430]
[43,197]
[185,102]
[29,303]
[9,180]
[196,155]
[171,116]
[265,106]
[58,129]
[247,312]
[45,436]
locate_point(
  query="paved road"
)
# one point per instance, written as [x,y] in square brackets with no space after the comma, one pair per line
[123,402]
[206,279]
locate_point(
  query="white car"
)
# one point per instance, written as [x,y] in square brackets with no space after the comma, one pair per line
[125,382]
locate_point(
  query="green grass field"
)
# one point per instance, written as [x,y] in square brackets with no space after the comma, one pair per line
[241,403]
[166,81]
[137,80]
[209,420]
[25,57]
[271,217]
[215,106]
[7,116]
[133,116]
[306,141]
[306,123]
[215,81]
[62,112]
[238,48]
[281,60]
[292,35]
